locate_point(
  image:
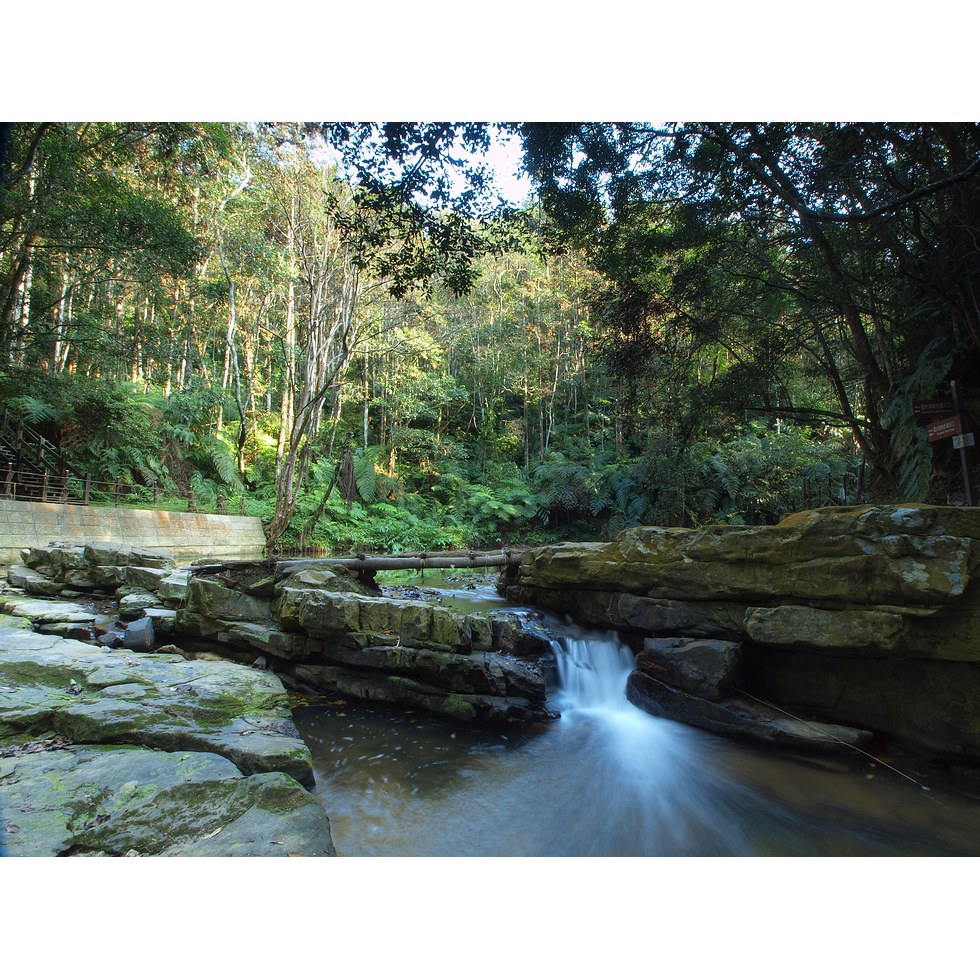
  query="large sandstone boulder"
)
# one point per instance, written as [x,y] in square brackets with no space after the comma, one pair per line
[324,628]
[863,615]
[88,695]
[118,753]
[131,801]
[871,556]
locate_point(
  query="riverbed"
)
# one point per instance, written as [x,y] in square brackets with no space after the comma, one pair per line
[607,779]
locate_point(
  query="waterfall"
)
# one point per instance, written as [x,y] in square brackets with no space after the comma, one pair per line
[592,671]
[605,779]
[646,785]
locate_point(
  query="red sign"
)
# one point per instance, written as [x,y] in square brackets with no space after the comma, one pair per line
[944,428]
[927,407]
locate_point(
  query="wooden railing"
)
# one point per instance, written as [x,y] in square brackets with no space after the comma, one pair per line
[18,484]
[33,468]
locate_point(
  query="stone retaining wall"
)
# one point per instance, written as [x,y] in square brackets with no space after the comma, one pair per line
[29,524]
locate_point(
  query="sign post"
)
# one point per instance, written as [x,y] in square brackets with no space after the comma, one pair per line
[963,444]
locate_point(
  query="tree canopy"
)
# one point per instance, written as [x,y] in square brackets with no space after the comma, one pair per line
[347,325]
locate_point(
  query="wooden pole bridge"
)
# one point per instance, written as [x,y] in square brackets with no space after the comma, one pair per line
[378,563]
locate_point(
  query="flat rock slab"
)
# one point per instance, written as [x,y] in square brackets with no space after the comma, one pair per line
[735,716]
[134,603]
[49,684]
[118,801]
[46,610]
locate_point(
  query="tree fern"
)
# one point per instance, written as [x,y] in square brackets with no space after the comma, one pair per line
[32,410]
[366,473]
[908,438]
[224,462]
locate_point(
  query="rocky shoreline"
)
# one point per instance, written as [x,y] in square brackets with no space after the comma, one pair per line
[862,617]
[90,702]
[129,752]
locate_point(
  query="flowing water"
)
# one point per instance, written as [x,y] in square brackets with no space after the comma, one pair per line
[608,779]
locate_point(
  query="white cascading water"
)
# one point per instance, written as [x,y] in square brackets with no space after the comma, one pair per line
[650,787]
[606,779]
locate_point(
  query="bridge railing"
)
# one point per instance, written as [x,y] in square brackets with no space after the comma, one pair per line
[17,483]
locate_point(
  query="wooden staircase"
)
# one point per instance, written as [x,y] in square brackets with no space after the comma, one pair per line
[32,467]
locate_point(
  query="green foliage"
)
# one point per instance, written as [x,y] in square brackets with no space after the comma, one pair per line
[681,340]
[366,473]
[763,474]
[909,438]
[27,408]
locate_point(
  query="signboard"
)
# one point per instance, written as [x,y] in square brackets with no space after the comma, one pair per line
[930,407]
[961,442]
[944,428]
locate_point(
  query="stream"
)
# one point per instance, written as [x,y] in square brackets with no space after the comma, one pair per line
[607,779]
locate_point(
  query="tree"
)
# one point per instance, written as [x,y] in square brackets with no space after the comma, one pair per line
[864,233]
[84,192]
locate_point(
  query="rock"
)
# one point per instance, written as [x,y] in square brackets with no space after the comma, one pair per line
[516,636]
[392,650]
[173,587]
[108,553]
[862,615]
[14,622]
[216,600]
[875,556]
[151,558]
[395,689]
[32,581]
[473,673]
[706,668]
[152,700]
[173,650]
[139,635]
[833,629]
[320,574]
[164,620]
[99,566]
[46,610]
[933,705]
[133,602]
[738,717]
[148,579]
[105,800]
[71,631]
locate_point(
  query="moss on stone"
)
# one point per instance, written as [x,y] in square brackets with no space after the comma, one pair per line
[457,706]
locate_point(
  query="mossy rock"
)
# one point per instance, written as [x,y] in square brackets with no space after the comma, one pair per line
[124,800]
[154,700]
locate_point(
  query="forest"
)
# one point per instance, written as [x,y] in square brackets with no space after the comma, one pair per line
[345,330]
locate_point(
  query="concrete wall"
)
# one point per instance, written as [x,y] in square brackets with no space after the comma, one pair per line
[26,524]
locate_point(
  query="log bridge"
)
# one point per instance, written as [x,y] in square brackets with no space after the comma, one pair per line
[378,563]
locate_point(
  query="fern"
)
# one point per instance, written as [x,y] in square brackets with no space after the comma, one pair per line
[224,462]
[366,473]
[33,410]
[908,438]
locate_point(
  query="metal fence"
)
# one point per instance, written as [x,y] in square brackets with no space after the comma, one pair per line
[67,488]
